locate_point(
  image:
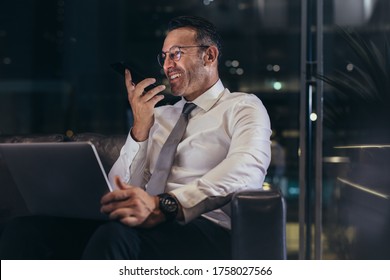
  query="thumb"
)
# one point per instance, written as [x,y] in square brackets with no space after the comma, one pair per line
[120,184]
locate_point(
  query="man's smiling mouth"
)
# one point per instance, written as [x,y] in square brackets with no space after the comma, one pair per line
[174,76]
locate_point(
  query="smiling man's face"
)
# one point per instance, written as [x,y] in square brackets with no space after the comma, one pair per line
[188,77]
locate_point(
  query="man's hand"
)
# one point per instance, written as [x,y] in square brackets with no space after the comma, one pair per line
[142,104]
[132,206]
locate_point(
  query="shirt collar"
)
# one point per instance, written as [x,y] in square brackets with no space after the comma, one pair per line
[207,100]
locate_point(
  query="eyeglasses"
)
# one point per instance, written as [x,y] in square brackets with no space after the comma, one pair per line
[174,53]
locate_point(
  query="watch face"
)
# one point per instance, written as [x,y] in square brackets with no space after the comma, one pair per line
[168,206]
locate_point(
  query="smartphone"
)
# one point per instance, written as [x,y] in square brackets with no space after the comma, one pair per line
[136,75]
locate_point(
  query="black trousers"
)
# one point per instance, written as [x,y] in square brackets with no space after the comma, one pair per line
[38,237]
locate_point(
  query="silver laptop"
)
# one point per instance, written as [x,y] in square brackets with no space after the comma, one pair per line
[58,179]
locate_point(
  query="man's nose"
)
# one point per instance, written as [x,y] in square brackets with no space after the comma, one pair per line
[168,62]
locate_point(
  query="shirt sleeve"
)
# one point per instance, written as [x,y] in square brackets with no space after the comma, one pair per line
[130,165]
[245,165]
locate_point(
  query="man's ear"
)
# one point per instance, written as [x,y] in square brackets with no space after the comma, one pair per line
[211,55]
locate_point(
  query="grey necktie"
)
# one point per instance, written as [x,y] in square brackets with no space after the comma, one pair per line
[164,163]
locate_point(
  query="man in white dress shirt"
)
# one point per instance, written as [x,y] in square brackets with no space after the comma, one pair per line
[225,149]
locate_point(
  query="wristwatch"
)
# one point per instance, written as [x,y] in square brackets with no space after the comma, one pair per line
[168,206]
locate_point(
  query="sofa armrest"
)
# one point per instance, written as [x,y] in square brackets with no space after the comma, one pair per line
[259,225]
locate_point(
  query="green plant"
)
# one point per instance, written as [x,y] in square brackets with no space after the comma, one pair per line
[364,93]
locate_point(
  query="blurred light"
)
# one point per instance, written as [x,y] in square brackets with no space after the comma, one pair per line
[362,147]
[336,159]
[243,6]
[293,191]
[290,133]
[350,67]
[233,67]
[69,133]
[240,71]
[207,2]
[7,60]
[364,188]
[277,85]
[235,63]
[276,68]
[313,117]
[266,186]
[169,9]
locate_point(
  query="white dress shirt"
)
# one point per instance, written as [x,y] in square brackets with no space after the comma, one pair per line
[226,148]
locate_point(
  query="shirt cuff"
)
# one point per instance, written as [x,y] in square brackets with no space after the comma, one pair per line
[195,203]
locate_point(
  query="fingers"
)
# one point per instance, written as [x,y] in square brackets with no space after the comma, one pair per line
[128,80]
[115,196]
[126,216]
[115,204]
[148,95]
[131,221]
[139,88]
[151,95]
[131,212]
[128,204]
[125,196]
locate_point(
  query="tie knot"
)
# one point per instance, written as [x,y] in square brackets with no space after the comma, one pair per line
[188,107]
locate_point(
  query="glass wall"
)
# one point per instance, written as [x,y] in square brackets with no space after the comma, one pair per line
[356,134]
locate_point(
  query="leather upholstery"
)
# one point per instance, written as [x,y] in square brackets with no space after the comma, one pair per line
[259,225]
[108,147]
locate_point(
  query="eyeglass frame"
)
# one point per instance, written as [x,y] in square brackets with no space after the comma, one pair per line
[172,55]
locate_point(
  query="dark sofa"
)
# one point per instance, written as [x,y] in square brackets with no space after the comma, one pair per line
[258,217]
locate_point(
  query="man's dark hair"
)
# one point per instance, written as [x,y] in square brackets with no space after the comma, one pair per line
[206,32]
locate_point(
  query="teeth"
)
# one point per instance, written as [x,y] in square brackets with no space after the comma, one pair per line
[174,76]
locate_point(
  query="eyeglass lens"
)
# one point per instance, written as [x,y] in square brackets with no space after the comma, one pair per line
[174,54]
